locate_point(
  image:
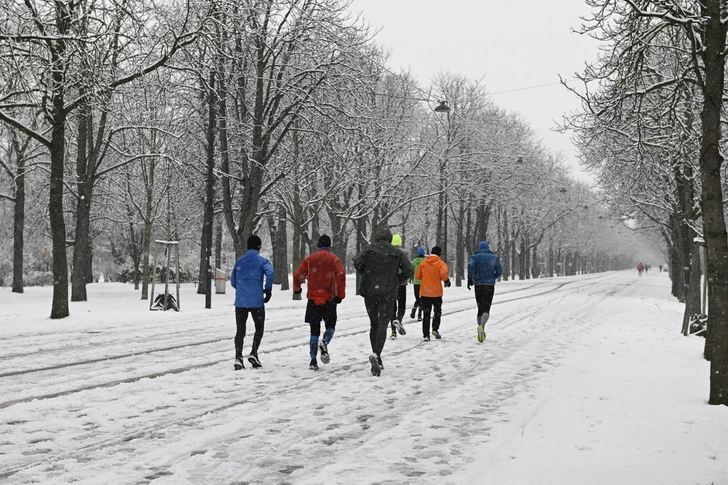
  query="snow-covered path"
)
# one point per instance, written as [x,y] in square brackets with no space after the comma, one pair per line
[118,394]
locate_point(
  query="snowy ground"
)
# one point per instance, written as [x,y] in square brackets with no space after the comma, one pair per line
[582,380]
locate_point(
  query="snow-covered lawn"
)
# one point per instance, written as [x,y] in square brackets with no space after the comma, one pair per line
[582,380]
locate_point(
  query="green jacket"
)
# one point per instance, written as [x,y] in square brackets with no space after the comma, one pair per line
[415,263]
[382,266]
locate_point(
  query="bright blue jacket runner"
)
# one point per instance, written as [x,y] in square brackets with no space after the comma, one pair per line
[484,267]
[247,279]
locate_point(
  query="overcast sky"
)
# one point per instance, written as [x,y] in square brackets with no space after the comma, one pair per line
[511,46]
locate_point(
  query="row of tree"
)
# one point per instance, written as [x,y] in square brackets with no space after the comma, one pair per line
[651,130]
[106,111]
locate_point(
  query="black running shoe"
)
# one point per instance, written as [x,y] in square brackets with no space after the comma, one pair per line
[239,363]
[427,338]
[324,352]
[436,334]
[413,313]
[253,359]
[400,328]
[313,365]
[374,360]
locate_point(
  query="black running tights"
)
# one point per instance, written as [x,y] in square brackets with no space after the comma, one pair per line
[241,317]
[379,309]
[484,298]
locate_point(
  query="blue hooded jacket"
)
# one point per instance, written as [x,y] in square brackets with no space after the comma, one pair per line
[247,279]
[484,267]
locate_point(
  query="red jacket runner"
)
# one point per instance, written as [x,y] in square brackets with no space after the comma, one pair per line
[326,277]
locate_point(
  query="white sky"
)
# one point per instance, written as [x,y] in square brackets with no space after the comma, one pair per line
[511,46]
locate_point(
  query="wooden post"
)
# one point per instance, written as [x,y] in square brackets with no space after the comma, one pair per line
[166,278]
[176,269]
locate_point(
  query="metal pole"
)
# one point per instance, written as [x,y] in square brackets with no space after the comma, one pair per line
[208,202]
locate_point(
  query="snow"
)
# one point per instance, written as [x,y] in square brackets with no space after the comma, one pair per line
[582,380]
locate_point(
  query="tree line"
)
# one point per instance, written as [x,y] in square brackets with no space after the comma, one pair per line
[651,129]
[105,111]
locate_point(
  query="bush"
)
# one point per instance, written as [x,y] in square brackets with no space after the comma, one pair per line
[37,278]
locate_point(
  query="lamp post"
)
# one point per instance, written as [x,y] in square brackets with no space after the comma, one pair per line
[442,200]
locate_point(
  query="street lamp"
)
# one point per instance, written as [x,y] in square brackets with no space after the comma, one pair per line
[443,107]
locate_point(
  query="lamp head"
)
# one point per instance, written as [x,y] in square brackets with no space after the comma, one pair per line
[442,107]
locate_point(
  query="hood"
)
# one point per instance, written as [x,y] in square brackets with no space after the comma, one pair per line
[397,240]
[382,234]
[483,246]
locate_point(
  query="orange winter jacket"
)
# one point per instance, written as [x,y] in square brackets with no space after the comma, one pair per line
[431,272]
[326,277]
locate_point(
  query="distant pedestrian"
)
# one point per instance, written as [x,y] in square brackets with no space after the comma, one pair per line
[484,268]
[416,284]
[660,268]
[432,272]
[382,268]
[252,278]
[326,288]
[400,301]
[640,268]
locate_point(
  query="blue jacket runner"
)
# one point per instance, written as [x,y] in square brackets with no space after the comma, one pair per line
[484,267]
[247,279]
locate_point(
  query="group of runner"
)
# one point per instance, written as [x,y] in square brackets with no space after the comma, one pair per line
[384,270]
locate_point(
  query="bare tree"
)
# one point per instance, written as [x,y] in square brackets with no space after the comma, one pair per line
[48,43]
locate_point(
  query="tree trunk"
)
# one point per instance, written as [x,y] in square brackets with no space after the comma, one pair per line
[506,250]
[282,248]
[218,245]
[711,161]
[19,225]
[481,224]
[147,243]
[202,273]
[59,307]
[460,247]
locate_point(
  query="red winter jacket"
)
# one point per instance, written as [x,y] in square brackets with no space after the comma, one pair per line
[326,277]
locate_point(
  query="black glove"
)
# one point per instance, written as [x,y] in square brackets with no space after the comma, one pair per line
[267,294]
[470,283]
[447,283]
[337,300]
[297,292]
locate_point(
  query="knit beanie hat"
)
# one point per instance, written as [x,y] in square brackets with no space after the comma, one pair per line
[420,251]
[436,250]
[397,240]
[324,241]
[254,242]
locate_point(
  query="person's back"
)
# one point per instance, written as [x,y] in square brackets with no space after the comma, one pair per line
[324,272]
[250,298]
[484,267]
[247,279]
[431,273]
[380,266]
